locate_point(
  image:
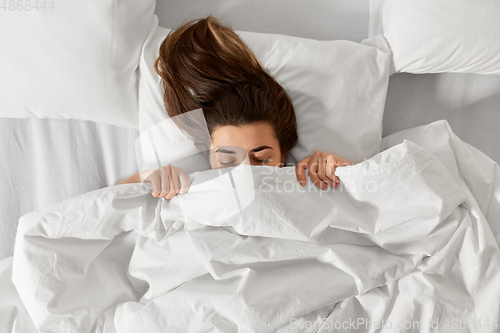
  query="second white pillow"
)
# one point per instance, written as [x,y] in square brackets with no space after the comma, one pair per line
[429,36]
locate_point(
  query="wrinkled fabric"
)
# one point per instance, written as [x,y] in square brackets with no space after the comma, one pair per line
[401,240]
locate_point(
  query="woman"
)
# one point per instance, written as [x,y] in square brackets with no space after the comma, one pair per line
[204,64]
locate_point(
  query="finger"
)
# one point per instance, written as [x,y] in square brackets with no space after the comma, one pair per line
[335,179]
[154,179]
[183,181]
[330,169]
[313,165]
[312,171]
[174,182]
[164,181]
[300,170]
[322,164]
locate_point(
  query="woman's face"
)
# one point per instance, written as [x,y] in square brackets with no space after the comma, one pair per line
[253,144]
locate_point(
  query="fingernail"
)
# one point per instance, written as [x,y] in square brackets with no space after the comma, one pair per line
[302,182]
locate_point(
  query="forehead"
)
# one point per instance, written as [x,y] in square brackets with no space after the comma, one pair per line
[245,136]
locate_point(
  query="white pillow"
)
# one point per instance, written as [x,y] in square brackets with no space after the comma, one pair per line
[73,59]
[429,36]
[338,89]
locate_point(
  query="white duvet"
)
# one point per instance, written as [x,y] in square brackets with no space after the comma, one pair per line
[406,244]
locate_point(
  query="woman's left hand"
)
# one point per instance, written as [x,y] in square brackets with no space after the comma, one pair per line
[320,168]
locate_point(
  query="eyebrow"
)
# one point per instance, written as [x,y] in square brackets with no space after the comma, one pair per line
[222,150]
[260,148]
[226,151]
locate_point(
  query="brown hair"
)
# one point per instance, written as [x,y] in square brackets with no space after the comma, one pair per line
[204,64]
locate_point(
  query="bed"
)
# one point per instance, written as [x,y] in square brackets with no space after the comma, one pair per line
[50,161]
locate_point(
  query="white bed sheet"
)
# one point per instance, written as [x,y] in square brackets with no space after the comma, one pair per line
[44,161]
[321,19]
[469,102]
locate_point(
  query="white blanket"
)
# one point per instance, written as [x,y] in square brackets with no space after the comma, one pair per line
[402,243]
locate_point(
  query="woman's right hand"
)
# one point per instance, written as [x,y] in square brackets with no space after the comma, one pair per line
[167,181]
